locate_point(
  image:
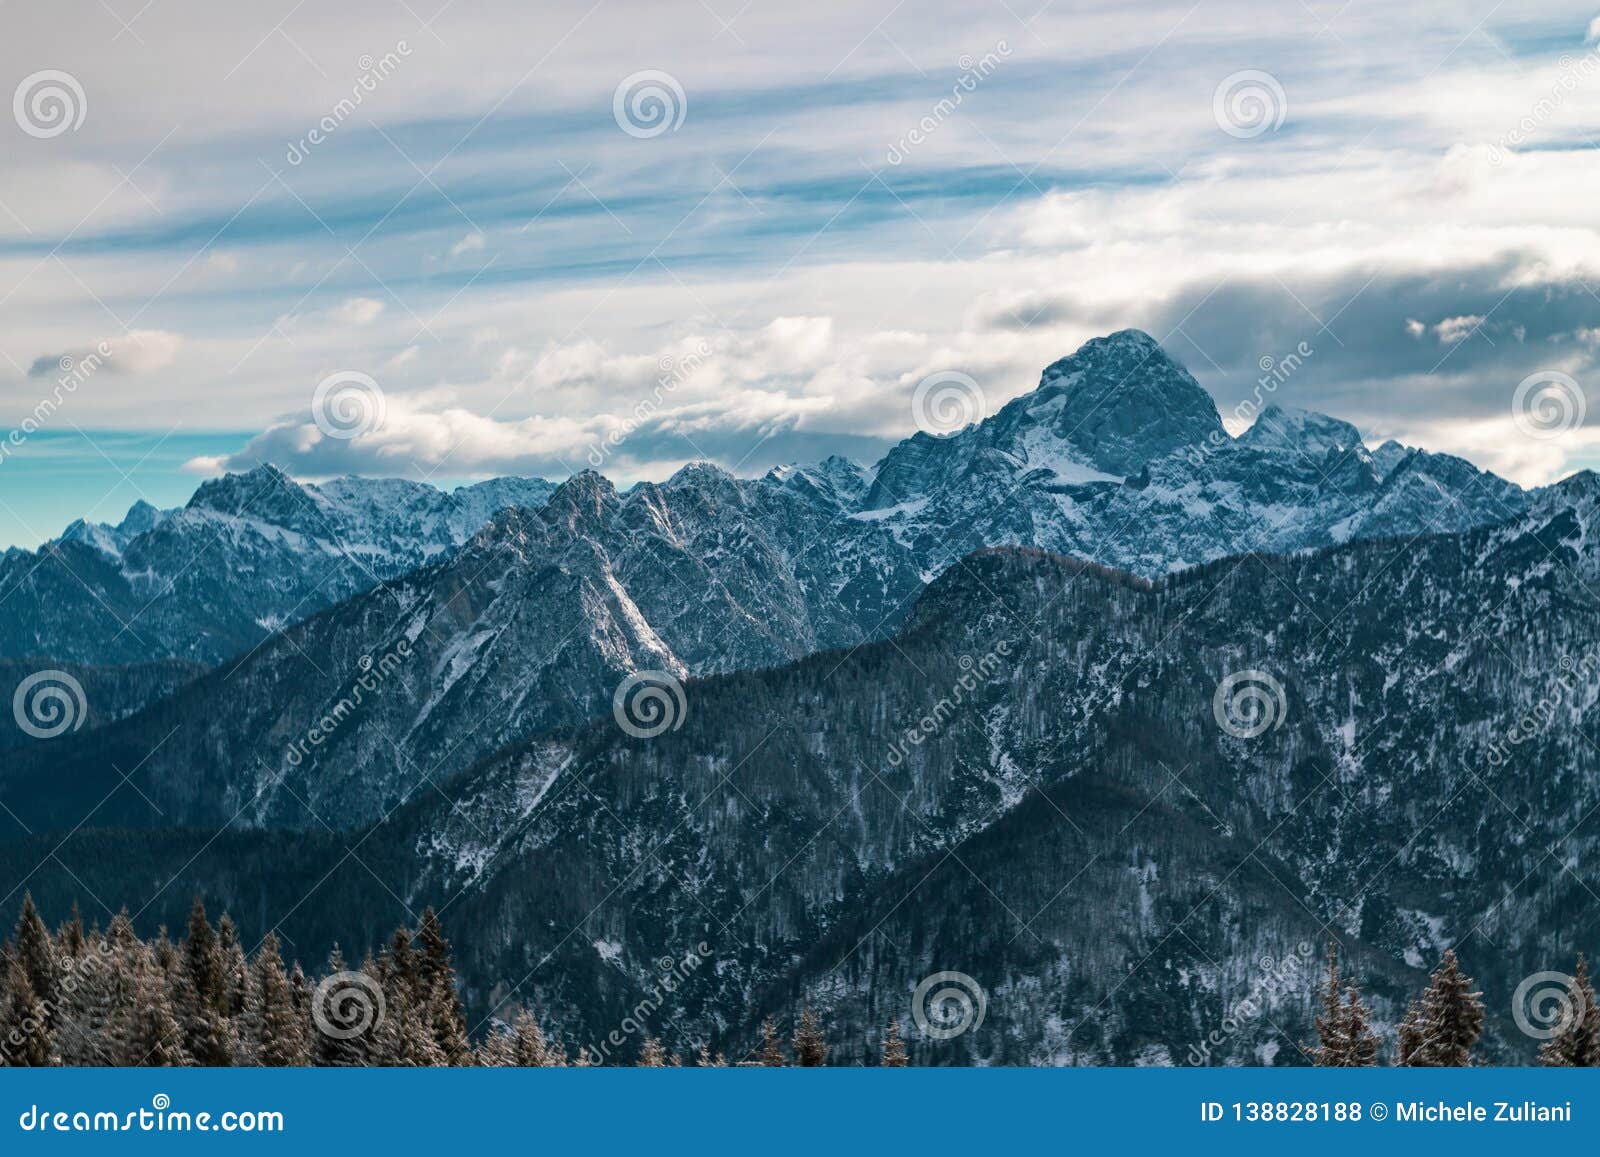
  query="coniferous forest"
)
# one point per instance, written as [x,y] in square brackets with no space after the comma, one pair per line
[81,996]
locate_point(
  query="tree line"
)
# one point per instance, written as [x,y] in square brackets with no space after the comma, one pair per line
[1441,1027]
[93,997]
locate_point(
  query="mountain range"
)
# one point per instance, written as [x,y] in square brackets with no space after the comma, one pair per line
[913,736]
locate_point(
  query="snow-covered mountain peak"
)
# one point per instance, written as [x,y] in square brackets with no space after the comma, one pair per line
[1311,433]
[1124,402]
[835,481]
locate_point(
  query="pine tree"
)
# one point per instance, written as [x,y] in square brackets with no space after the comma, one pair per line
[71,939]
[652,1056]
[282,1039]
[1332,1027]
[36,953]
[1410,1035]
[706,1061]
[90,997]
[438,978]
[235,968]
[810,1049]
[1360,1046]
[418,1047]
[1452,1018]
[25,1039]
[203,1000]
[383,1041]
[771,1047]
[155,1038]
[1577,1040]
[497,1050]
[529,1048]
[344,1047]
[894,1049]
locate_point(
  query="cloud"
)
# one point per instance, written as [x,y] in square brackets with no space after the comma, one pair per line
[1392,222]
[1454,329]
[358,311]
[139,352]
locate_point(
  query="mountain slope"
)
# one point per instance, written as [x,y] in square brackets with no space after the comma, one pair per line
[530,626]
[1037,783]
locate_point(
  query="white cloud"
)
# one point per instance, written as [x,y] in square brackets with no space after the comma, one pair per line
[138,352]
[358,311]
[471,243]
[1454,329]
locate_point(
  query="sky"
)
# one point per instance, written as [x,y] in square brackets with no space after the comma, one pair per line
[450,240]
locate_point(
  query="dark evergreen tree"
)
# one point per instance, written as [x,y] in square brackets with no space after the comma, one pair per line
[282,1040]
[771,1045]
[203,994]
[36,952]
[894,1049]
[1332,1027]
[1360,1047]
[25,1038]
[810,1049]
[1452,1018]
[438,978]
[530,1048]
[235,968]
[1409,1036]
[1576,1043]
[71,938]
[154,1038]
[338,1038]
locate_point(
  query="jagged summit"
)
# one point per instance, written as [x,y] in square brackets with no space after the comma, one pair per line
[1291,428]
[1123,402]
